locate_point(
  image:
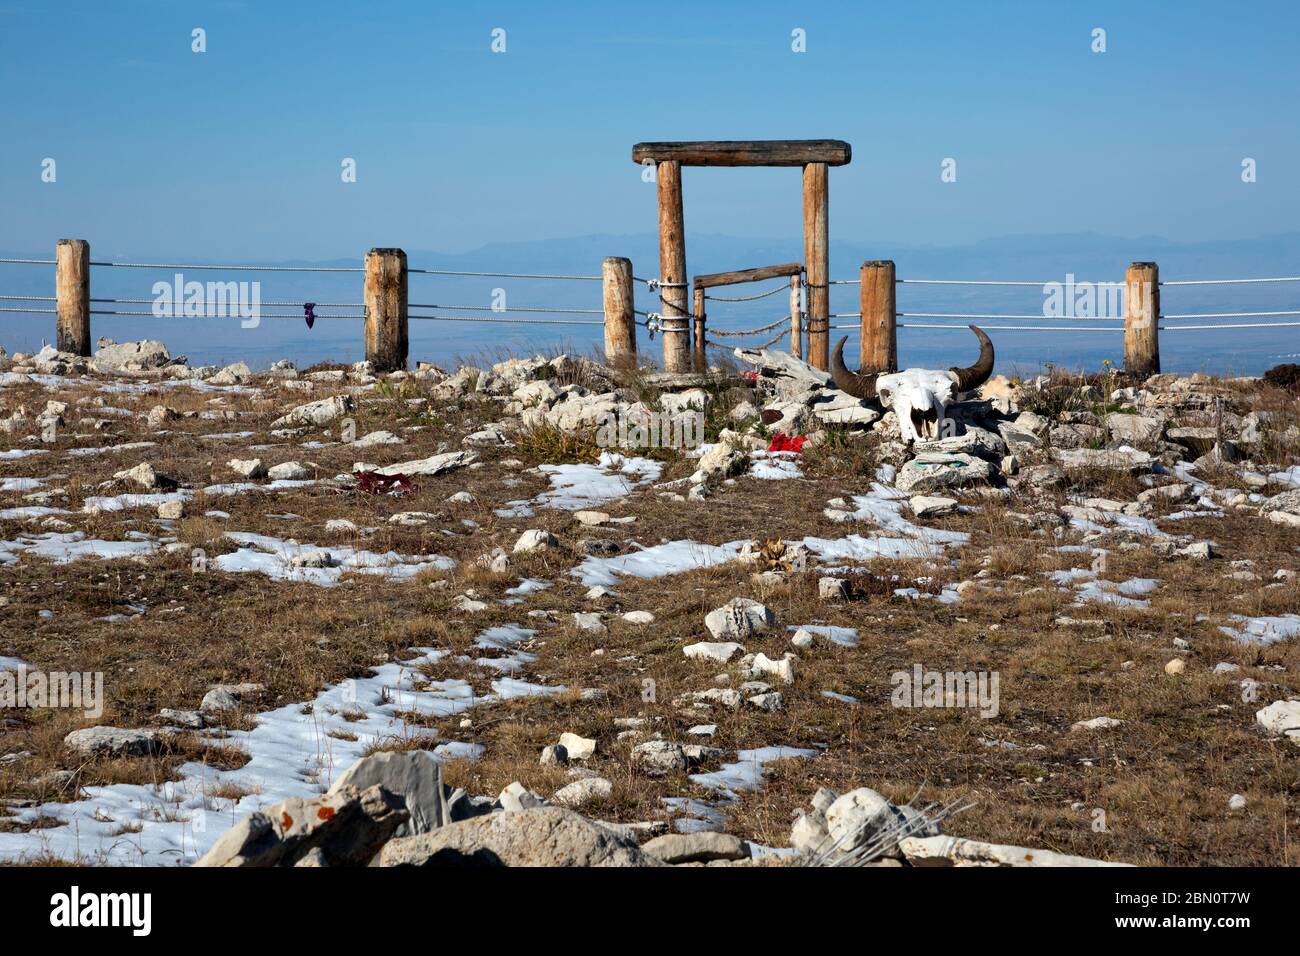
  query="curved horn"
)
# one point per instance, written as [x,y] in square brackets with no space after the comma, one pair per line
[973,376]
[857,384]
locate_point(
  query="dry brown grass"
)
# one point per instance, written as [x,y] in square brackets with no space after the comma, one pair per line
[1161,779]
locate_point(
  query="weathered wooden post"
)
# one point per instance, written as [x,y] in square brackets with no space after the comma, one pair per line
[72,294]
[385,309]
[1142,319]
[701,363]
[878,336]
[816,215]
[813,155]
[672,268]
[796,318]
[620,314]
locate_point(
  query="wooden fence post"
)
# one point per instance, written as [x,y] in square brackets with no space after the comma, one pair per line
[620,316]
[676,323]
[701,363]
[816,216]
[796,316]
[1142,319]
[385,309]
[72,294]
[878,336]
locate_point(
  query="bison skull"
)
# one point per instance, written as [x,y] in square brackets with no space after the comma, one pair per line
[918,397]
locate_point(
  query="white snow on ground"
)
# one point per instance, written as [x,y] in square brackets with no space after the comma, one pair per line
[289,561]
[123,502]
[574,487]
[655,562]
[842,698]
[855,547]
[94,505]
[843,636]
[1263,630]
[945,596]
[1087,587]
[16,453]
[72,546]
[746,773]
[28,512]
[774,465]
[110,449]
[508,687]
[503,638]
[748,770]
[223,436]
[20,484]
[238,487]
[1118,521]
[676,557]
[884,508]
[292,754]
[1289,477]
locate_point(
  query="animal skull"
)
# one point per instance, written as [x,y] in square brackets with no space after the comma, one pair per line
[919,397]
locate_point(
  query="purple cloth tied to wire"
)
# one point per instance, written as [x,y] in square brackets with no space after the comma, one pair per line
[309,313]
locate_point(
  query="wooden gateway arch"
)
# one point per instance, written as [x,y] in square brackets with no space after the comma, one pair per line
[814,155]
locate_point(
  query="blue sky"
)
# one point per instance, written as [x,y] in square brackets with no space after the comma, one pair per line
[235,153]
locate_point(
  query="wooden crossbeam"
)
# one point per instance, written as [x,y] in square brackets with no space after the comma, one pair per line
[747,275]
[757,152]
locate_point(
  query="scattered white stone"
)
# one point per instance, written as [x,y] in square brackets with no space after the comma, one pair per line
[321,412]
[738,619]
[639,617]
[142,474]
[1097,723]
[577,747]
[288,471]
[535,540]
[1281,717]
[783,668]
[582,792]
[248,468]
[554,755]
[932,506]
[718,652]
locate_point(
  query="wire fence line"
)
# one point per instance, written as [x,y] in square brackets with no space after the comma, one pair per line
[681,320]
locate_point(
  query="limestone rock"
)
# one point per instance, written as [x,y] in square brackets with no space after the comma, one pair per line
[718,652]
[433,465]
[320,412]
[126,356]
[544,836]
[953,851]
[416,777]
[698,847]
[582,792]
[535,540]
[112,742]
[345,827]
[931,472]
[739,619]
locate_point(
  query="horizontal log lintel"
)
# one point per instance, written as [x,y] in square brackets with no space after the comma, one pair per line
[747,275]
[759,152]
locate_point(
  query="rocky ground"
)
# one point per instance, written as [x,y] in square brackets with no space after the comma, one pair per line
[310,593]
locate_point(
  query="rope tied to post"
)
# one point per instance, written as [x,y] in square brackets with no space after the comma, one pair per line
[783,287]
